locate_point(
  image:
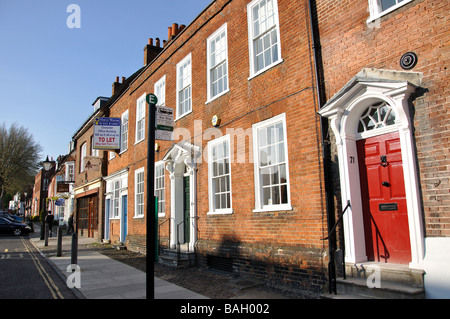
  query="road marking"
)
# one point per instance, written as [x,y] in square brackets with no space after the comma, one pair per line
[56,294]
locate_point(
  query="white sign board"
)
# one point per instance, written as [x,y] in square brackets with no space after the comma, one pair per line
[106,133]
[164,123]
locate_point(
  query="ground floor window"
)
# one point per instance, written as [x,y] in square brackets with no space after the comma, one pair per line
[139,192]
[271,164]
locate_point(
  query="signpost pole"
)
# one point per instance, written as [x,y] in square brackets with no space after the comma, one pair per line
[151,218]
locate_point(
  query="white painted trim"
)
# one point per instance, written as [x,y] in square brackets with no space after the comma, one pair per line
[250,6]
[177,114]
[259,207]
[211,144]
[210,98]
[139,100]
[344,114]
[375,10]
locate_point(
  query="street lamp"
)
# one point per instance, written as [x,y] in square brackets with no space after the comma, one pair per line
[46,164]
[46,167]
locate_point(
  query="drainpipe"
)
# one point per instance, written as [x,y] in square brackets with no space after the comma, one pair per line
[325,145]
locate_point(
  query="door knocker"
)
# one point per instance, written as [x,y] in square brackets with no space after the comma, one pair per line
[384,161]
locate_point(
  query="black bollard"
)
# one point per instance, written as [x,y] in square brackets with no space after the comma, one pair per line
[74,255]
[46,235]
[59,242]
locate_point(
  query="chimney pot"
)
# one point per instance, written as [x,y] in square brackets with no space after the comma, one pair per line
[182,27]
[117,79]
[174,29]
[150,41]
[169,33]
[123,79]
[157,42]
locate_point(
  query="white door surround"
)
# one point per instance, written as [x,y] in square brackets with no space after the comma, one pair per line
[344,110]
[180,161]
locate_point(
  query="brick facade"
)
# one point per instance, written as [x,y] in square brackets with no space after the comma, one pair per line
[350,44]
[289,240]
[283,245]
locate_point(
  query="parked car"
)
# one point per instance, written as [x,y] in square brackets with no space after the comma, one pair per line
[12,217]
[8,226]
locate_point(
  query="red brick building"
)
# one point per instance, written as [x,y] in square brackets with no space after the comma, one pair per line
[245,193]
[386,86]
[285,111]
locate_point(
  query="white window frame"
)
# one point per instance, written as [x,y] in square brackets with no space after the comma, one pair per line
[136,204]
[140,118]
[160,184]
[259,204]
[210,67]
[124,125]
[376,11]
[211,189]
[251,37]
[82,156]
[115,203]
[94,152]
[188,84]
[70,170]
[160,91]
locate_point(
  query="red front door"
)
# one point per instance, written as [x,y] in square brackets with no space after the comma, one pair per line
[383,197]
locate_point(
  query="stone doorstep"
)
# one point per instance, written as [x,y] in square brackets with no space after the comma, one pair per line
[394,282]
[388,272]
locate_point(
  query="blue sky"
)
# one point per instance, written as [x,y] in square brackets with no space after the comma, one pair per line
[51,74]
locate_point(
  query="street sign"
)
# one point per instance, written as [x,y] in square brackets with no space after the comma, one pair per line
[164,123]
[151,99]
[106,133]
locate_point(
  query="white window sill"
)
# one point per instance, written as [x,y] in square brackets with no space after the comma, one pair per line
[217,96]
[138,217]
[376,16]
[221,212]
[161,214]
[181,116]
[273,208]
[265,69]
[135,143]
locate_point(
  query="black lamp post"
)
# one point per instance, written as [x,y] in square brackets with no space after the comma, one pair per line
[46,167]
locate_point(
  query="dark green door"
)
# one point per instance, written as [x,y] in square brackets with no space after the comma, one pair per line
[186,210]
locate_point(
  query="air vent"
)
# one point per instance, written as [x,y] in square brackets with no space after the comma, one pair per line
[220,263]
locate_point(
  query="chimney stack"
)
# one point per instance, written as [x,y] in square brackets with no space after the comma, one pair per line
[116,85]
[151,51]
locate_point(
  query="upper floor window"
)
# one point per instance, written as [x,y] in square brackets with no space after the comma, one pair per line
[379,8]
[184,87]
[160,91]
[70,172]
[264,35]
[94,152]
[82,156]
[140,119]
[217,63]
[124,132]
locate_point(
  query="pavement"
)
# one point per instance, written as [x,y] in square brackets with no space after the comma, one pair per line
[100,277]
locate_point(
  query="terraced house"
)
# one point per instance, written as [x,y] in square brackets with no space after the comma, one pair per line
[310,142]
[240,187]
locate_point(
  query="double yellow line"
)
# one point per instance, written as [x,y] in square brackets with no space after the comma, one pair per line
[54,290]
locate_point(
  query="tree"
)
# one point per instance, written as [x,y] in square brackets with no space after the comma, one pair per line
[19,159]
